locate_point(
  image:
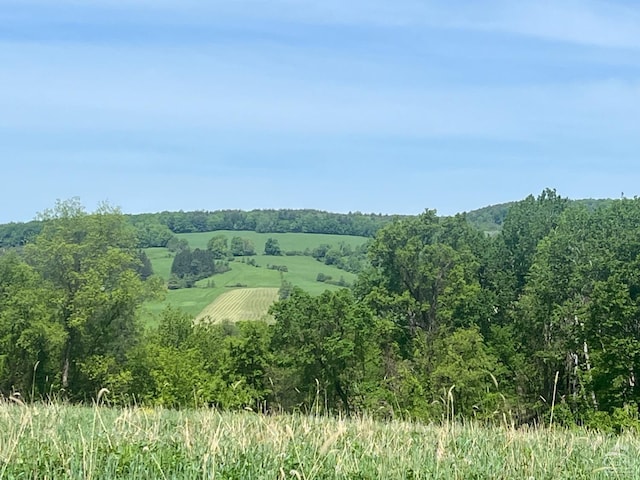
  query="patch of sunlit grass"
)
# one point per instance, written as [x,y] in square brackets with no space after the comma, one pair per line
[61,441]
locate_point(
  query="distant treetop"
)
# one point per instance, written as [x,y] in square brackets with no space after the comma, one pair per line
[156,229]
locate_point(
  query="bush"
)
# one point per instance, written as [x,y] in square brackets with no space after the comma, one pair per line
[279,268]
[340,283]
[620,420]
[271,247]
[323,278]
[176,282]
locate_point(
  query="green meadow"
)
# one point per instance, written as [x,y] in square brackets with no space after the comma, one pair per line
[287,241]
[240,304]
[302,270]
[58,441]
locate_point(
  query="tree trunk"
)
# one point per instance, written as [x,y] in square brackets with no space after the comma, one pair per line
[343,396]
[65,371]
[66,364]
[588,363]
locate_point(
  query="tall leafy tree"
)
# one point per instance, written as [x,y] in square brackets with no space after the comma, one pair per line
[31,341]
[322,344]
[580,312]
[466,374]
[241,246]
[87,261]
[219,246]
[612,322]
[552,307]
[144,267]
[528,221]
[431,272]
[272,247]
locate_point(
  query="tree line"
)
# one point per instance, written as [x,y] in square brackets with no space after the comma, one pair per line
[157,229]
[540,319]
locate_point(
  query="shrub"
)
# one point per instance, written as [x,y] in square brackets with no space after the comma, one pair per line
[323,278]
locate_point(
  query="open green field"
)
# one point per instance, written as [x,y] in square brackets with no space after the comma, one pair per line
[66,442]
[161,260]
[302,270]
[287,241]
[240,304]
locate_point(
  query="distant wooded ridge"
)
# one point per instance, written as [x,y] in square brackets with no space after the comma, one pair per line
[491,218]
[155,229]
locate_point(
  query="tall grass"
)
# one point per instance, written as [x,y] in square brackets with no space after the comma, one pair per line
[60,441]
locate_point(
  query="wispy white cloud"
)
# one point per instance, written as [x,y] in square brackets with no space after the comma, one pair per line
[102,87]
[588,22]
[338,83]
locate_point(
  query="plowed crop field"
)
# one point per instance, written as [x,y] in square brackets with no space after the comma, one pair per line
[240,304]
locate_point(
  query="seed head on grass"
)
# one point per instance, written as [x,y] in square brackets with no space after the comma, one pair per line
[16,398]
[103,391]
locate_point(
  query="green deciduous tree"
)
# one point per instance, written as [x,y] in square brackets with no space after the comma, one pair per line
[152,234]
[219,246]
[31,340]
[322,347]
[87,263]
[242,247]
[466,374]
[528,222]
[432,272]
[272,247]
[579,315]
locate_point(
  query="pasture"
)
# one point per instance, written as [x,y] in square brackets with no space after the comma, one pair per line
[240,304]
[59,441]
[287,241]
[302,270]
[161,260]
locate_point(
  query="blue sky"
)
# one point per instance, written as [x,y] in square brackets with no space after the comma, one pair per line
[376,106]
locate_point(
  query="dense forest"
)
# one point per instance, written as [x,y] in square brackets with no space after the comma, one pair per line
[541,318]
[157,229]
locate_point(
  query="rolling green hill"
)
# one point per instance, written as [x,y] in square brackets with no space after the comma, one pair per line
[155,228]
[240,304]
[287,241]
[302,269]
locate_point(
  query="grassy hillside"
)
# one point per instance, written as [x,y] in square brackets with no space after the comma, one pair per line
[302,270]
[161,259]
[240,304]
[59,441]
[287,241]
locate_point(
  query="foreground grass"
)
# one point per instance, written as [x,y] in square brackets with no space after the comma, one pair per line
[60,441]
